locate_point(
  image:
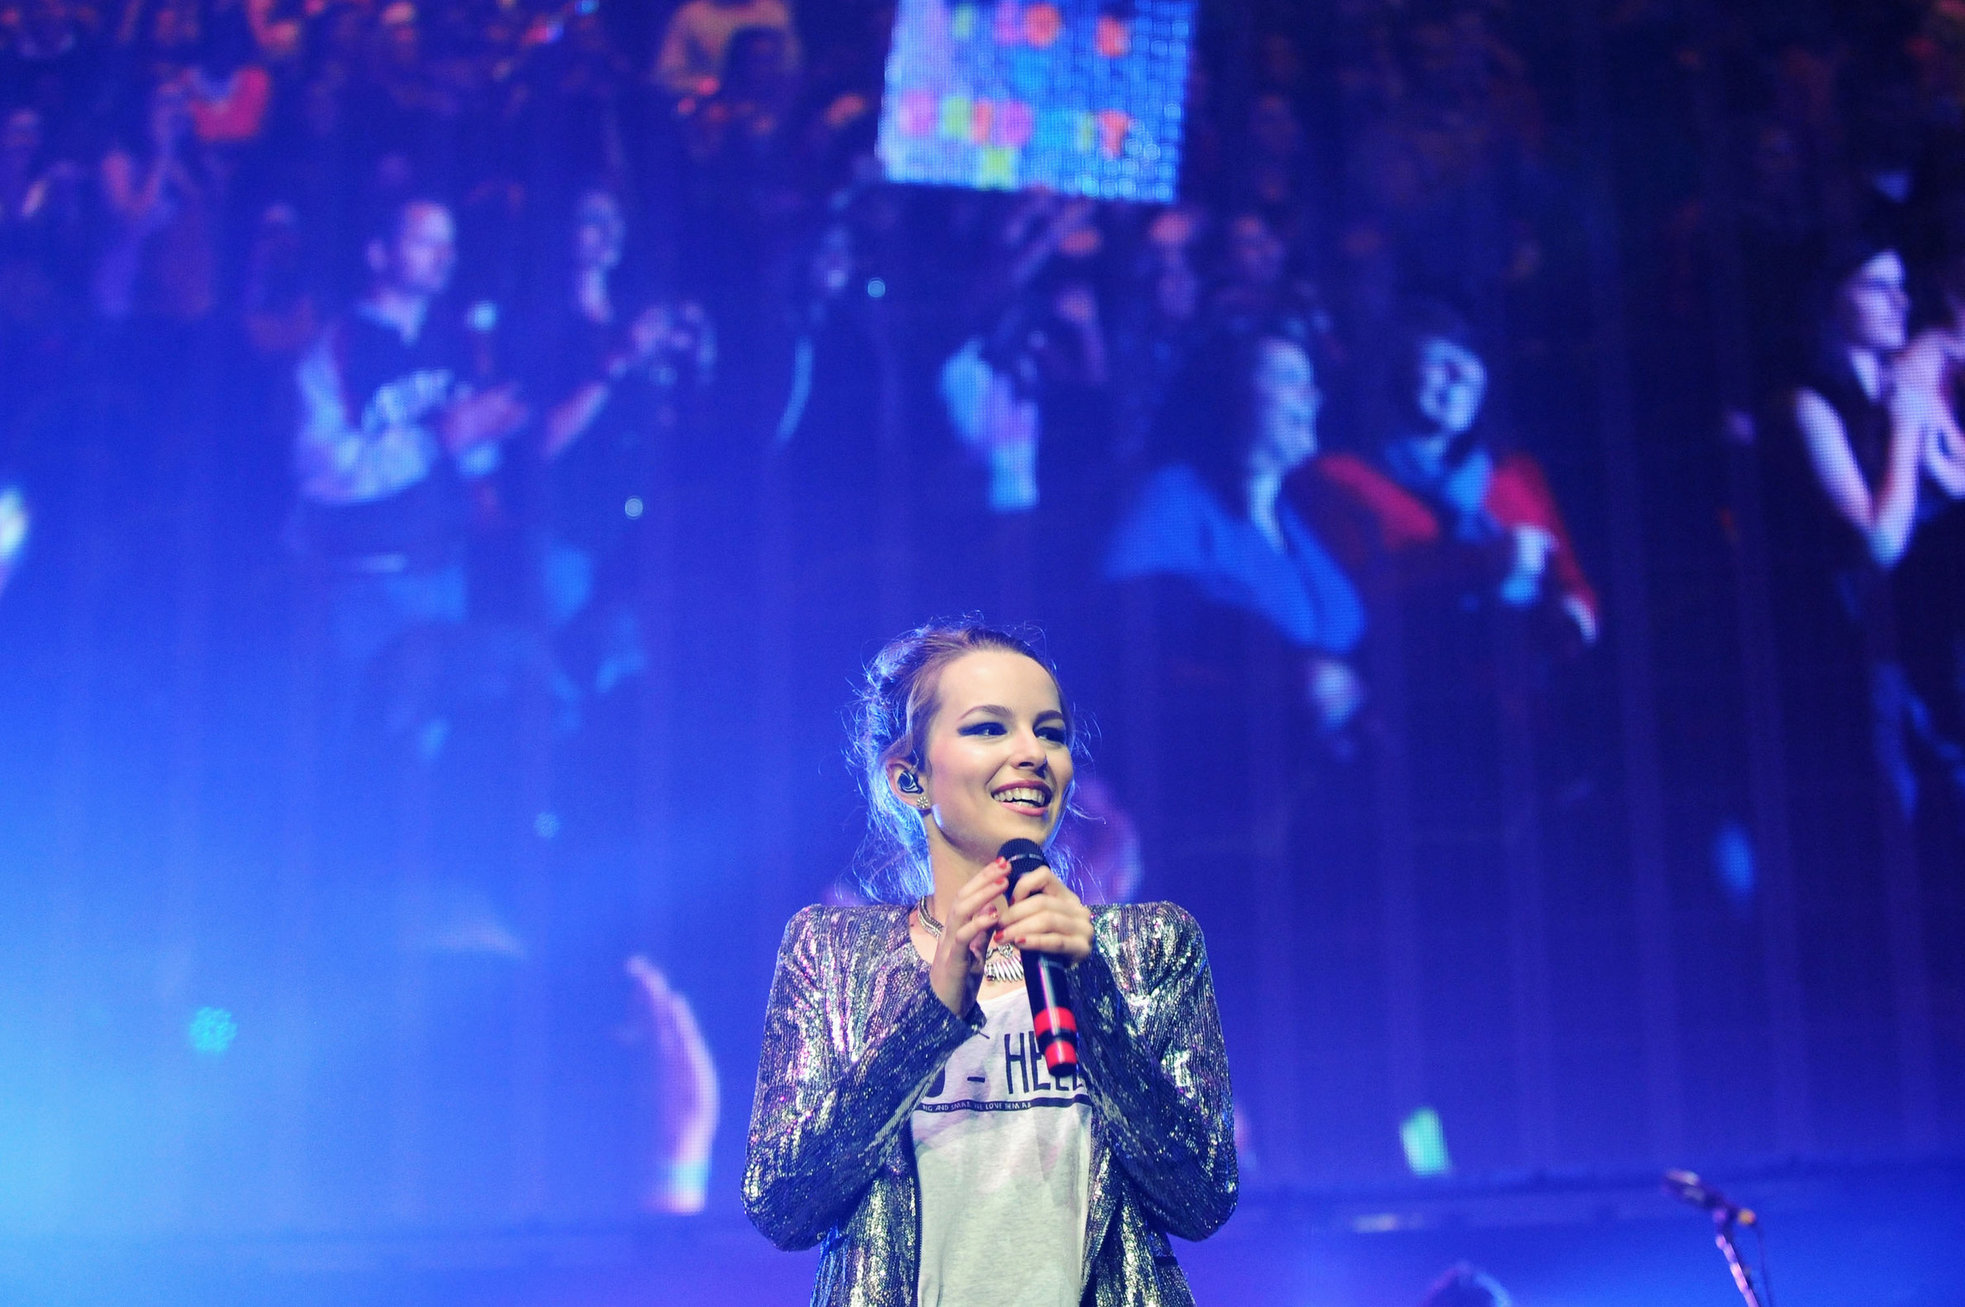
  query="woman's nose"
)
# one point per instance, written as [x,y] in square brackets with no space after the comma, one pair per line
[1030,751]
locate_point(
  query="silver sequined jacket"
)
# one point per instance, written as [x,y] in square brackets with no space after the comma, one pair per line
[854,1035]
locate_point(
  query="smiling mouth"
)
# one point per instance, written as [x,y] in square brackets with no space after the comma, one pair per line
[1025,796]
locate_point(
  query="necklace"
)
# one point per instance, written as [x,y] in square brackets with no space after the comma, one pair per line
[1002,962]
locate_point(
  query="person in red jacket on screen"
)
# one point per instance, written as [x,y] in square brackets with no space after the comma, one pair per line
[1436,510]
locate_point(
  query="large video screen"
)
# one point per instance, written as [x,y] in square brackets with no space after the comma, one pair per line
[1081,97]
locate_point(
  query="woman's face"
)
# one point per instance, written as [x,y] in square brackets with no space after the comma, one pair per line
[1286,404]
[997,763]
[1873,308]
[1449,383]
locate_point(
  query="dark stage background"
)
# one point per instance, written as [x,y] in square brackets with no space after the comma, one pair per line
[1599,814]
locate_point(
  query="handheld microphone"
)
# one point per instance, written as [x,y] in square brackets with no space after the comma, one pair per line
[1687,1187]
[1044,974]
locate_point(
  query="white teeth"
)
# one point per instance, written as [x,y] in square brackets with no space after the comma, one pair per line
[1033,797]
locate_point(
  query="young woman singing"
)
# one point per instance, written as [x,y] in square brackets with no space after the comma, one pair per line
[905,1119]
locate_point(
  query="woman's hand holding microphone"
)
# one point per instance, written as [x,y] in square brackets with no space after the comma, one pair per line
[1046,917]
[1043,916]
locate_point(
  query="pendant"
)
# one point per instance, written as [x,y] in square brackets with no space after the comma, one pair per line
[1003,964]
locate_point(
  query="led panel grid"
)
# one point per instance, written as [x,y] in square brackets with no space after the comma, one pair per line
[1081,97]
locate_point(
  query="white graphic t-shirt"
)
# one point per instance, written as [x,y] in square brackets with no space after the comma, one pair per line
[1004,1154]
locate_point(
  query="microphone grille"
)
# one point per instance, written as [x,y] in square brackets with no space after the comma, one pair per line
[1024,857]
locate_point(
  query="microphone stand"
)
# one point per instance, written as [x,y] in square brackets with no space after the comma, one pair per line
[1723,1228]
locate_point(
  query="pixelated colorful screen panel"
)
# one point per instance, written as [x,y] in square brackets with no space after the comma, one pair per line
[1078,96]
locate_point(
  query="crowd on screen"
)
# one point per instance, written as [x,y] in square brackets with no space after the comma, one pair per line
[182,176]
[388,240]
[477,275]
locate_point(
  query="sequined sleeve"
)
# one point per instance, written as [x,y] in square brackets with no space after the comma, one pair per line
[829,1107]
[1155,1065]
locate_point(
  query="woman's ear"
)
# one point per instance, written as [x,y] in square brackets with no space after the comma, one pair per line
[904,780]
